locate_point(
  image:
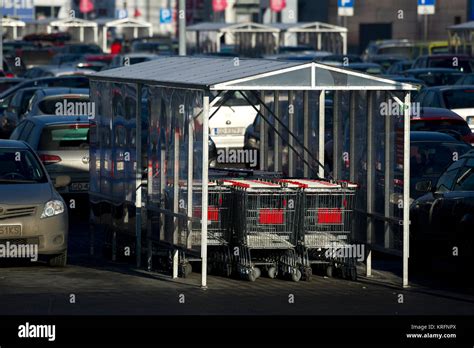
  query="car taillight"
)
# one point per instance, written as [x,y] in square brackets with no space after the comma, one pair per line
[9,75]
[270,217]
[50,159]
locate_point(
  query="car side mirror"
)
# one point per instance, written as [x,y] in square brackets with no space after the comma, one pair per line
[424,186]
[62,181]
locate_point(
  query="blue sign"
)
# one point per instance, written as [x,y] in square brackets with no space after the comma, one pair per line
[165,16]
[426,2]
[122,13]
[426,7]
[345,3]
[21,9]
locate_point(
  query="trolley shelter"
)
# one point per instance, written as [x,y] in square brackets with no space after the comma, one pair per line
[149,147]
[320,36]
[128,28]
[252,39]
[460,38]
[10,27]
[81,30]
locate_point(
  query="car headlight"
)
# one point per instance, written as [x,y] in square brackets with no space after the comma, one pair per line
[52,208]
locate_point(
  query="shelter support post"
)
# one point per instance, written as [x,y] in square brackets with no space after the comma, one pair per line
[276,148]
[322,116]
[190,176]
[406,187]
[96,35]
[306,131]
[291,126]
[370,178]
[388,182]
[344,43]
[205,181]
[104,38]
[81,34]
[336,137]
[263,137]
[319,41]
[352,137]
[138,178]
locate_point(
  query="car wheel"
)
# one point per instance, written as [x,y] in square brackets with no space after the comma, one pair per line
[58,260]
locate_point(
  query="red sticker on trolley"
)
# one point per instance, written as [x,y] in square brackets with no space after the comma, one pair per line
[271,217]
[212,213]
[329,216]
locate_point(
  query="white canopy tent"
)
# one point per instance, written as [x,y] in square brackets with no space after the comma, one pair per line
[124,23]
[49,24]
[461,37]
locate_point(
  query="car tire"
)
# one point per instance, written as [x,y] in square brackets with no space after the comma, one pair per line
[58,260]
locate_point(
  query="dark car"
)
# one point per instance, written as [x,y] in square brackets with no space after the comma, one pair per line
[430,154]
[442,220]
[435,76]
[452,61]
[442,120]
[162,48]
[466,79]
[63,81]
[81,49]
[16,110]
[386,60]
[368,68]
[7,83]
[340,59]
[459,99]
[399,67]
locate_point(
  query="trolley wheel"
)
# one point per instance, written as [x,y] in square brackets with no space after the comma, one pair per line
[272,272]
[329,271]
[252,276]
[257,271]
[296,276]
[353,273]
[308,272]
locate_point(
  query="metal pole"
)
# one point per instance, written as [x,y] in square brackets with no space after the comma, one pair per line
[1,35]
[388,180]
[291,126]
[370,177]
[306,131]
[425,25]
[352,136]
[406,189]
[182,28]
[322,116]
[138,177]
[276,148]
[336,137]
[190,176]
[205,180]
[263,136]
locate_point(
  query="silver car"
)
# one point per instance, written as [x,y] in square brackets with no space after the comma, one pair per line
[33,216]
[62,143]
[60,101]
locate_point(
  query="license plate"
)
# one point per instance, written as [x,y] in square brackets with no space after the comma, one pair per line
[80,186]
[10,230]
[228,131]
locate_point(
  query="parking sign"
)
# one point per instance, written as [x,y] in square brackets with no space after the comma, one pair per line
[426,7]
[165,16]
[345,7]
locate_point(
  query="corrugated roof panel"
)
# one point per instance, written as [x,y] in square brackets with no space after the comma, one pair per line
[194,71]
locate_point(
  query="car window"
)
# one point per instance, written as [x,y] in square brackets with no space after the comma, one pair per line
[446,181]
[64,137]
[459,98]
[26,130]
[458,126]
[465,180]
[17,131]
[63,105]
[20,166]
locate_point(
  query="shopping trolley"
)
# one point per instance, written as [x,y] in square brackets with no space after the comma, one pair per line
[264,229]
[325,225]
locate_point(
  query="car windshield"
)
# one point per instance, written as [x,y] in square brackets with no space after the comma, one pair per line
[64,137]
[458,126]
[60,105]
[19,166]
[465,180]
[438,62]
[7,84]
[459,98]
[406,51]
[429,158]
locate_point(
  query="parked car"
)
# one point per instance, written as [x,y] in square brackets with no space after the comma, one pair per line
[435,76]
[397,68]
[443,217]
[459,99]
[130,59]
[81,49]
[460,62]
[466,79]
[63,81]
[56,71]
[60,101]
[16,110]
[442,120]
[386,60]
[62,144]
[31,210]
[340,59]
[430,154]
[7,83]
[162,48]
[368,68]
